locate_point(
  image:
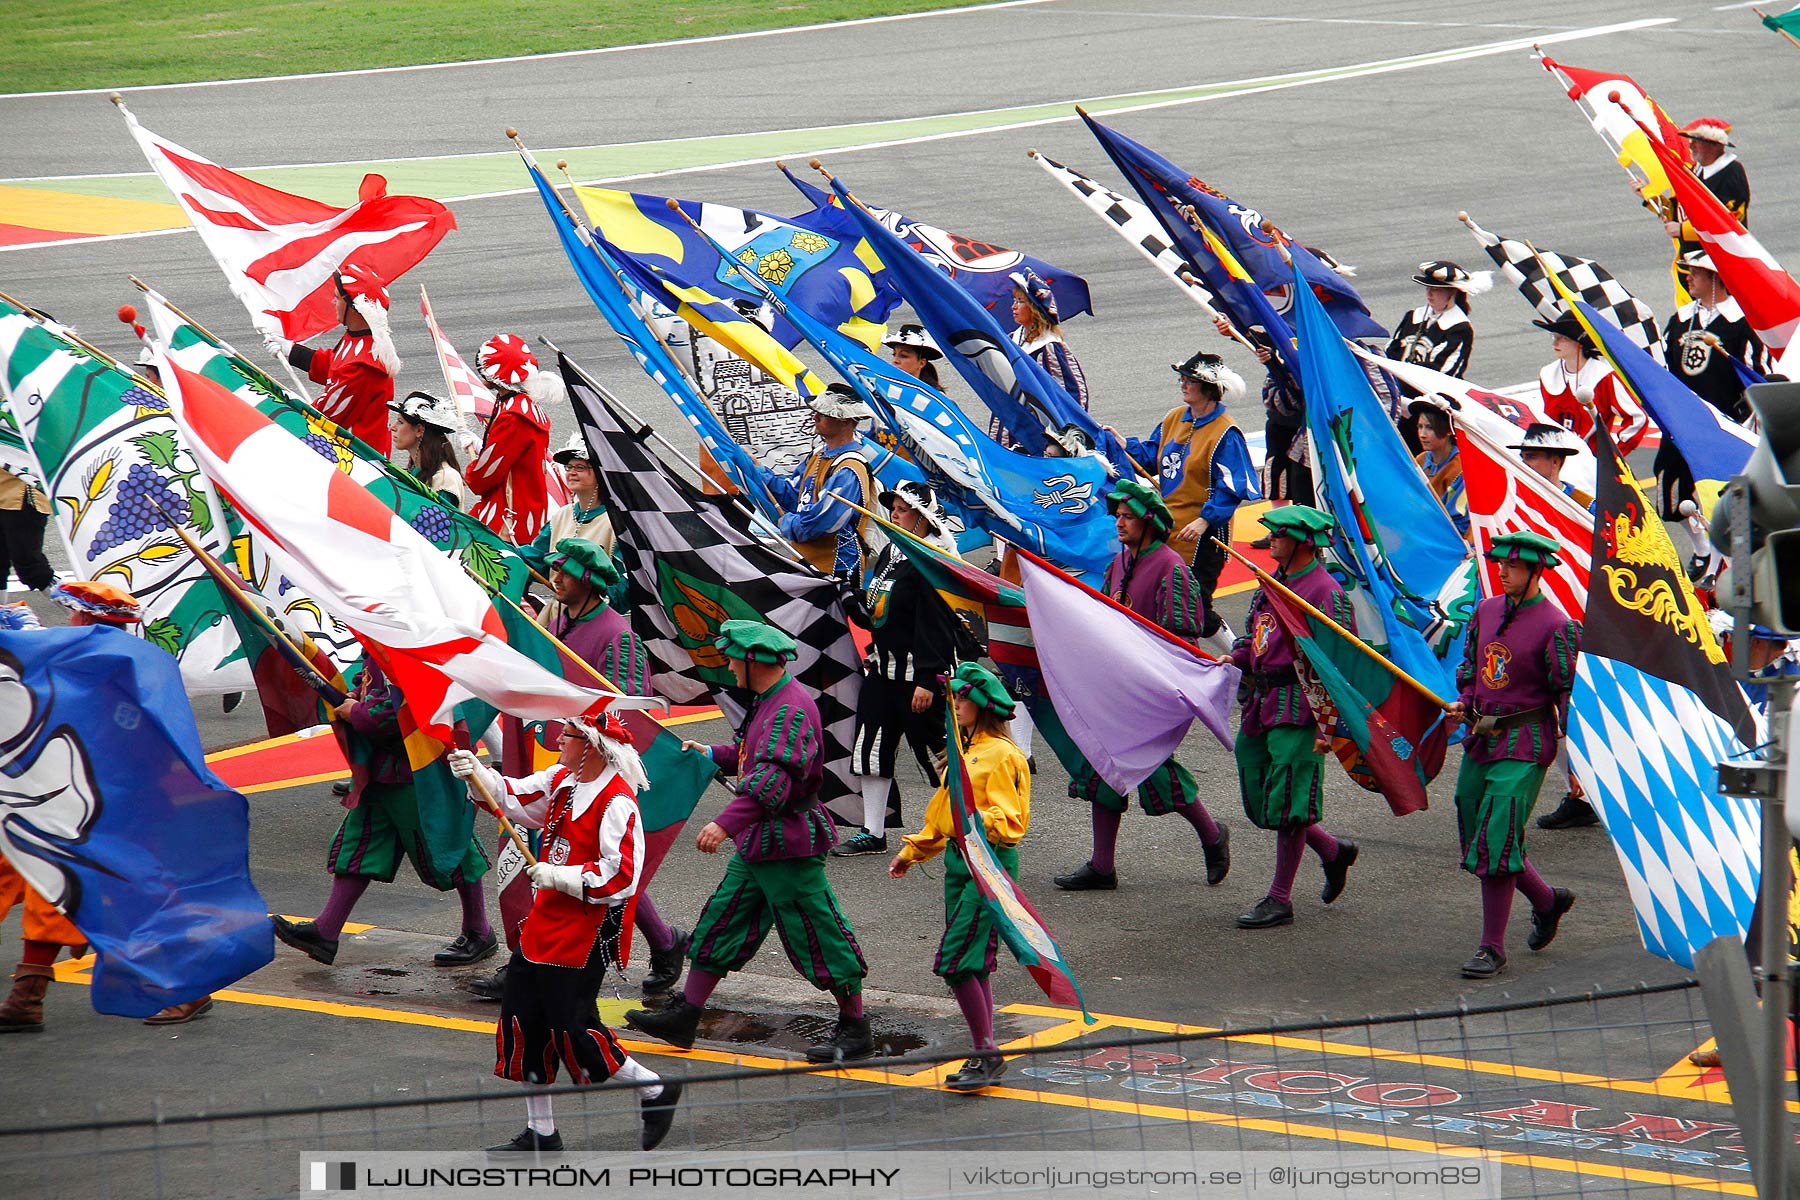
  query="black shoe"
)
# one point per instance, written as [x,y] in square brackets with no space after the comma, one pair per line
[530,1142]
[1261,543]
[659,1114]
[1086,879]
[1218,858]
[1337,871]
[977,1073]
[1543,924]
[1031,763]
[851,1041]
[304,935]
[467,948]
[232,700]
[1268,913]
[675,1024]
[665,965]
[861,842]
[341,788]
[1486,964]
[1572,813]
[488,987]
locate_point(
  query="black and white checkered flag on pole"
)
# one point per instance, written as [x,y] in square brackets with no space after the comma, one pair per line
[1131,220]
[693,561]
[1583,276]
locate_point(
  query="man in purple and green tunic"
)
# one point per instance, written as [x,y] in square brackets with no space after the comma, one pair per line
[1281,742]
[1518,667]
[777,878]
[1154,581]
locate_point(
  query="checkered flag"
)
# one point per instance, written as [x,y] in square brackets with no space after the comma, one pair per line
[1586,278]
[694,561]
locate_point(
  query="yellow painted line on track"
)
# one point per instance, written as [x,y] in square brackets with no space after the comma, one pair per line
[73,212]
[75,971]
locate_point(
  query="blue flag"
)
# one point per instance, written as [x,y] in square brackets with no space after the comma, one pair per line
[1402,547]
[600,277]
[1164,186]
[108,809]
[1009,381]
[816,265]
[983,269]
[1715,446]
[1052,506]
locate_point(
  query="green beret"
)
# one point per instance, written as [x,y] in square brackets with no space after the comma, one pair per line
[586,561]
[753,641]
[1144,501]
[972,681]
[1527,547]
[1301,522]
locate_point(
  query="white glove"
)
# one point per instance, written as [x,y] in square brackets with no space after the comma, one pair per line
[564,879]
[462,763]
[277,345]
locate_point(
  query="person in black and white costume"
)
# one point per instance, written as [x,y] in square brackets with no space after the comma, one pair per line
[1709,145]
[1438,334]
[1699,343]
[913,646]
[915,352]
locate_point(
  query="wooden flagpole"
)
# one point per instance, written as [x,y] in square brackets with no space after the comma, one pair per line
[1269,581]
[1778,29]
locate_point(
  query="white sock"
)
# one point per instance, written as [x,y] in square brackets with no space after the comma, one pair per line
[1021,730]
[537,1115]
[875,794]
[648,1081]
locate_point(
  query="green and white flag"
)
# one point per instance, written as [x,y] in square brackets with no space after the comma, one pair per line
[119,481]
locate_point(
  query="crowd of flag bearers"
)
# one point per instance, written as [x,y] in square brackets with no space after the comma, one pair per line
[574,886]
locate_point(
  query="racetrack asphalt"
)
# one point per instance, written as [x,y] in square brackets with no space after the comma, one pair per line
[1373,168]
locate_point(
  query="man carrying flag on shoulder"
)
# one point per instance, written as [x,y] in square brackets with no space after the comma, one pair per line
[508,474]
[1281,743]
[1202,465]
[1518,666]
[358,373]
[777,877]
[1709,144]
[831,536]
[1152,580]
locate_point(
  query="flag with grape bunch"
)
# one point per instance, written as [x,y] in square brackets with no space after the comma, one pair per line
[120,482]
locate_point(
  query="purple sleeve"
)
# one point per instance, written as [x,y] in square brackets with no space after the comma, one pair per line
[725,758]
[739,815]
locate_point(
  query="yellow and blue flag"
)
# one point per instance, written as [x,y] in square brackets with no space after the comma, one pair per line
[832,276]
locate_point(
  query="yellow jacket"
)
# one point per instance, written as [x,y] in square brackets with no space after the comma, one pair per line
[1000,786]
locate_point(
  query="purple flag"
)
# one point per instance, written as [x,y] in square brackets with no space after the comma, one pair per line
[1125,688]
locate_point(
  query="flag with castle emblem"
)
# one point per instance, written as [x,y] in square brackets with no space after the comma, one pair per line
[1653,712]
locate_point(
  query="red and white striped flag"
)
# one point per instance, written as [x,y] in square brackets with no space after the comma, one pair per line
[473,398]
[1768,295]
[1506,496]
[435,632]
[279,251]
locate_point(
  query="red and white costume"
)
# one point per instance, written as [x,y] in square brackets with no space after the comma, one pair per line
[357,373]
[509,476]
[1624,418]
[594,826]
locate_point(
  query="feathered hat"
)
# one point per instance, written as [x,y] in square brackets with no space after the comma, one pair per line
[1210,368]
[507,363]
[368,295]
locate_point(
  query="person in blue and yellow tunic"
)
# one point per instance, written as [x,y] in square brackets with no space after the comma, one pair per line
[1000,789]
[1514,681]
[1203,468]
[1281,744]
[1151,579]
[832,536]
[777,878]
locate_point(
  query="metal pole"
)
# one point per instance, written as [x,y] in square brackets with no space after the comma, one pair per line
[1776,1135]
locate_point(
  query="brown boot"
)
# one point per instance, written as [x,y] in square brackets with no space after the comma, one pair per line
[23,1011]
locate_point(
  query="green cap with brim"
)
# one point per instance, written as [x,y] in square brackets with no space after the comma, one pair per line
[1525,546]
[1301,522]
[974,682]
[1143,500]
[753,641]
[586,561]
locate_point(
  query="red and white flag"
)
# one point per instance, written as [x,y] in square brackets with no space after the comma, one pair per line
[435,632]
[1506,496]
[279,251]
[1622,123]
[472,397]
[1768,295]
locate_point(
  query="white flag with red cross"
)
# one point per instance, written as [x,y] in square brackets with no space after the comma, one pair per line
[280,251]
[435,632]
